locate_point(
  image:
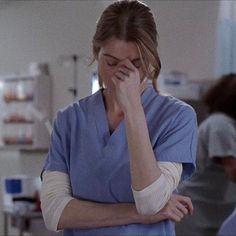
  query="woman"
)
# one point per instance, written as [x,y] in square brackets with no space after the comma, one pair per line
[210,188]
[116,156]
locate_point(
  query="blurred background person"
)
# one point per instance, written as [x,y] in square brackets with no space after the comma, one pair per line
[228,227]
[210,188]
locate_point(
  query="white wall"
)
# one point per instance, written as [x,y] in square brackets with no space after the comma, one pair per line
[187,31]
[44,30]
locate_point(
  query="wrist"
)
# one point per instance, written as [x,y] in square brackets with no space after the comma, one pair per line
[136,218]
[151,219]
[133,109]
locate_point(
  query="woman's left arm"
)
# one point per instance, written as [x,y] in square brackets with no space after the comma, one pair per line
[152,183]
[143,167]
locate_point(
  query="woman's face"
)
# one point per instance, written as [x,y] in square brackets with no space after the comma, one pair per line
[113,52]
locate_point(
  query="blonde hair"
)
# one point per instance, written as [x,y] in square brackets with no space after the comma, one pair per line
[131,21]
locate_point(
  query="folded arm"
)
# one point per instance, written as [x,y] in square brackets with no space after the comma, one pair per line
[62,211]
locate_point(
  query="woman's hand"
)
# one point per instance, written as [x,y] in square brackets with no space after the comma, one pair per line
[127,85]
[176,209]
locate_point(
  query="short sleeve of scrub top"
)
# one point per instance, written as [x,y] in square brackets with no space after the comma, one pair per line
[179,141]
[57,152]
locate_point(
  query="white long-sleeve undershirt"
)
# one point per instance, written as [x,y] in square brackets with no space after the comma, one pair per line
[153,198]
[56,193]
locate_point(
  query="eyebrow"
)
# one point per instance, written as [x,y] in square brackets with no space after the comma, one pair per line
[108,55]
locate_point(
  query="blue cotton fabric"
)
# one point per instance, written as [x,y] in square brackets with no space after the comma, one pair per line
[97,162]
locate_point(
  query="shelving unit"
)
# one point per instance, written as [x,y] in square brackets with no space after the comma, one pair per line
[20,95]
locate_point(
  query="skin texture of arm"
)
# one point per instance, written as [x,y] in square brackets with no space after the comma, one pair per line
[144,170]
[84,214]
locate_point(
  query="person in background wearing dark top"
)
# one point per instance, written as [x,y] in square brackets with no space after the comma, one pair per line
[210,188]
[117,156]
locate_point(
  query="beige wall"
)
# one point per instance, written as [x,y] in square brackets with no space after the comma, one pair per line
[187,35]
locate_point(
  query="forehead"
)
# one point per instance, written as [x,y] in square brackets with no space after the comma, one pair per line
[120,49]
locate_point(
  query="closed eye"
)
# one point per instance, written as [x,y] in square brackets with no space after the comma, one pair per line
[112,63]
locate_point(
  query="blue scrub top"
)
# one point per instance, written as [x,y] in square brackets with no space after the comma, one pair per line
[97,162]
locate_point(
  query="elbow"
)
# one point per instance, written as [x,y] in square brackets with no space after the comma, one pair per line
[53,212]
[48,224]
[154,197]
[49,217]
[151,202]
[55,195]
[147,211]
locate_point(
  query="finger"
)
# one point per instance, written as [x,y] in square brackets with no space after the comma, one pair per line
[182,208]
[169,213]
[186,201]
[190,208]
[124,70]
[128,64]
[120,75]
[116,81]
[174,217]
[177,212]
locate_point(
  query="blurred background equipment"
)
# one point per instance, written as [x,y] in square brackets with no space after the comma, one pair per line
[25,127]
[179,85]
[26,101]
[67,61]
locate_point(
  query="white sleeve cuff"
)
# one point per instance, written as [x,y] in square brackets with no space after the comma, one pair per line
[55,195]
[153,198]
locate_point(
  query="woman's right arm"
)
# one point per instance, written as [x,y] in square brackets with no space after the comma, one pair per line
[62,211]
[85,214]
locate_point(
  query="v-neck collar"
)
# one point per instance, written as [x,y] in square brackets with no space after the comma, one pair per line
[101,120]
